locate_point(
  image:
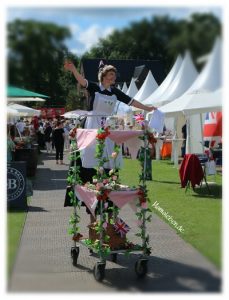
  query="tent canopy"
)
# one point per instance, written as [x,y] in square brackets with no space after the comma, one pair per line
[124,88]
[147,88]
[153,98]
[132,90]
[25,111]
[208,80]
[12,111]
[195,103]
[18,92]
[204,102]
[183,80]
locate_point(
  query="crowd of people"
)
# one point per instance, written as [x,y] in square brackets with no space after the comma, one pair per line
[51,135]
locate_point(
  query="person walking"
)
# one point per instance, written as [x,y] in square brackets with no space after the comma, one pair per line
[58,139]
[66,136]
[48,137]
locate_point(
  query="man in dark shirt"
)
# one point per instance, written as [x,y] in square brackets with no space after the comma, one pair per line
[58,139]
[184,136]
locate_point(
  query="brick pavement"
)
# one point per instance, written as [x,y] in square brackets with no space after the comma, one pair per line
[44,263]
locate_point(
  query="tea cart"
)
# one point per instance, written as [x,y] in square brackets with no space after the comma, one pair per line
[117,194]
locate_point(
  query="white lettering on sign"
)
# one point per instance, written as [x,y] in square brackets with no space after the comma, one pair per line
[12,184]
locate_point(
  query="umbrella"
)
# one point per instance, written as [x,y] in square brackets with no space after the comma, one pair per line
[24,99]
[25,111]
[75,114]
[11,111]
[18,92]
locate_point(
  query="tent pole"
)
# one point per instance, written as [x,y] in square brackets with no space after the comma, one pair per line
[188,146]
[202,133]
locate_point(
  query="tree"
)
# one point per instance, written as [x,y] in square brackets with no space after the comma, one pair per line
[36,52]
[161,37]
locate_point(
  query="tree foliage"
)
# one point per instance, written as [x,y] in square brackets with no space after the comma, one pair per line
[36,52]
[161,37]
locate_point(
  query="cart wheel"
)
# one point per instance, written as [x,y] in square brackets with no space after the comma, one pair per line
[114,257]
[141,267]
[74,254]
[99,271]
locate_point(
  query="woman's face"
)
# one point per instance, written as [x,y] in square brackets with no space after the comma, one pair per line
[109,78]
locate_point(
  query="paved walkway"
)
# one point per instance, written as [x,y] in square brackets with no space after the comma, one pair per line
[44,262]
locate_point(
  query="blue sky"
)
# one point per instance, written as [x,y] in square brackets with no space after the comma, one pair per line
[87,25]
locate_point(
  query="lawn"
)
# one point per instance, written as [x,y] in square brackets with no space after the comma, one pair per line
[15,223]
[199,213]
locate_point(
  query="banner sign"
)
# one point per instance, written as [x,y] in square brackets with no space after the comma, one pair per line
[16,185]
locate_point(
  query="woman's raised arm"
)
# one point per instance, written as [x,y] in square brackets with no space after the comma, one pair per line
[69,66]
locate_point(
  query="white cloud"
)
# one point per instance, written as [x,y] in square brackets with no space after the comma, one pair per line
[74,28]
[85,39]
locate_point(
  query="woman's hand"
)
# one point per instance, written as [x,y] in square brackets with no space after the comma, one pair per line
[151,108]
[69,66]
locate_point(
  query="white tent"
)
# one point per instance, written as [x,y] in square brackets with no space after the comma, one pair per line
[132,90]
[25,111]
[124,88]
[204,102]
[11,115]
[12,111]
[147,88]
[197,103]
[183,80]
[209,79]
[155,96]
[122,109]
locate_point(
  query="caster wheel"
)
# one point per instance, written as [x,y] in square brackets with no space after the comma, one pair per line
[74,254]
[141,268]
[99,271]
[114,257]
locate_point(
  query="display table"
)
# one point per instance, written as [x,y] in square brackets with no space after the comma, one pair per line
[30,156]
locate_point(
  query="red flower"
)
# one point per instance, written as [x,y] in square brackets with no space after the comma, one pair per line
[102,133]
[102,196]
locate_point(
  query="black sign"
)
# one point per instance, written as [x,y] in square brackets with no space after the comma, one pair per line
[16,185]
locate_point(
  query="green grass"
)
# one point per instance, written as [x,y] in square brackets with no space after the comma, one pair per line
[199,213]
[15,223]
